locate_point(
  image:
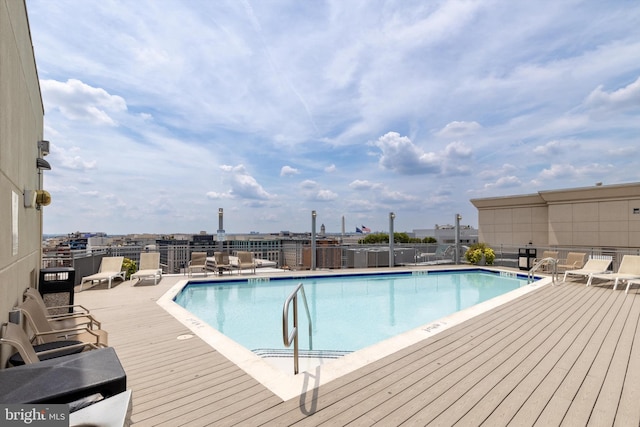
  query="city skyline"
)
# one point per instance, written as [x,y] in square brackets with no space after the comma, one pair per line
[159,113]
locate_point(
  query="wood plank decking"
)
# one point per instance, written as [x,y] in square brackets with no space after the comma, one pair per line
[561,355]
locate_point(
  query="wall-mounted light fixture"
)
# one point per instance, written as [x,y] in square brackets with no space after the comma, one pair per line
[42,164]
[36,198]
[43,146]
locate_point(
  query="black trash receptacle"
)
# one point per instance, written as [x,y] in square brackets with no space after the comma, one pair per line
[58,281]
[526,256]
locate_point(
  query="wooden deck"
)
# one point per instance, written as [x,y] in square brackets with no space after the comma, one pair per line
[561,355]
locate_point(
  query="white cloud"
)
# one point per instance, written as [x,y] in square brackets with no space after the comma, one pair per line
[504,182]
[359,184]
[244,185]
[69,159]
[79,101]
[627,97]
[330,169]
[457,129]
[551,148]
[288,170]
[325,195]
[400,155]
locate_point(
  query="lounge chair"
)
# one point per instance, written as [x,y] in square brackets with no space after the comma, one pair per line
[593,266]
[79,316]
[245,261]
[149,267]
[198,263]
[45,333]
[631,282]
[110,268]
[14,336]
[222,262]
[574,261]
[440,254]
[629,269]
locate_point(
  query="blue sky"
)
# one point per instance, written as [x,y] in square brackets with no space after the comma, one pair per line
[159,112]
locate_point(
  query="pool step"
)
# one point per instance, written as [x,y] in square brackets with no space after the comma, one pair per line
[286,353]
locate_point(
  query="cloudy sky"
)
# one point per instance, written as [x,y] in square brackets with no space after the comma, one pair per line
[159,112]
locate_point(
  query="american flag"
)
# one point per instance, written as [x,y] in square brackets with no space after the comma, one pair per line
[358,230]
[365,229]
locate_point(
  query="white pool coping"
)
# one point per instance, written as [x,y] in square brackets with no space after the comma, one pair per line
[312,374]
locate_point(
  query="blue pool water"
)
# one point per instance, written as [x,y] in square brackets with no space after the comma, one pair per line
[348,312]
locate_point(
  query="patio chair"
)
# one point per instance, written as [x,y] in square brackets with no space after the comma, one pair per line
[44,332]
[222,262]
[593,266]
[14,336]
[198,263]
[573,261]
[79,317]
[149,268]
[245,261]
[545,255]
[110,268]
[629,269]
[440,253]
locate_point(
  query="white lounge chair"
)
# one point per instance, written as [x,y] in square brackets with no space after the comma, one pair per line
[631,282]
[149,267]
[110,268]
[629,269]
[593,266]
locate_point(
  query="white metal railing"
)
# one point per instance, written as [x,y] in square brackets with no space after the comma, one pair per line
[292,337]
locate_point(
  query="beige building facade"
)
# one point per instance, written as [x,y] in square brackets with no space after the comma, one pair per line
[21,127]
[599,216]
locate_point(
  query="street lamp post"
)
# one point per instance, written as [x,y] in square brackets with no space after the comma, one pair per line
[391,240]
[457,258]
[313,239]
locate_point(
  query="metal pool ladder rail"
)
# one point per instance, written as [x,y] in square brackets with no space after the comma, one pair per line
[293,336]
[544,261]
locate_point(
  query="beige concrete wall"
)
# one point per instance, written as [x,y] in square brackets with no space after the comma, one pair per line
[21,127]
[514,221]
[600,216]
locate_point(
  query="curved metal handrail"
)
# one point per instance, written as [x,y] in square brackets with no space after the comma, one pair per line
[544,261]
[292,337]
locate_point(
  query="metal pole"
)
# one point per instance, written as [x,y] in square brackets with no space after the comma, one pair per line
[220,230]
[313,239]
[457,258]
[391,240]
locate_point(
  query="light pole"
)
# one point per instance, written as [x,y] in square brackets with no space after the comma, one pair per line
[313,239]
[220,235]
[457,258]
[391,240]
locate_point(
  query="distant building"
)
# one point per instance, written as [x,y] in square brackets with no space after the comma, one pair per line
[446,234]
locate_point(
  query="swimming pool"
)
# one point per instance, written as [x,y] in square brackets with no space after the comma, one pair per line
[347,312]
[277,373]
